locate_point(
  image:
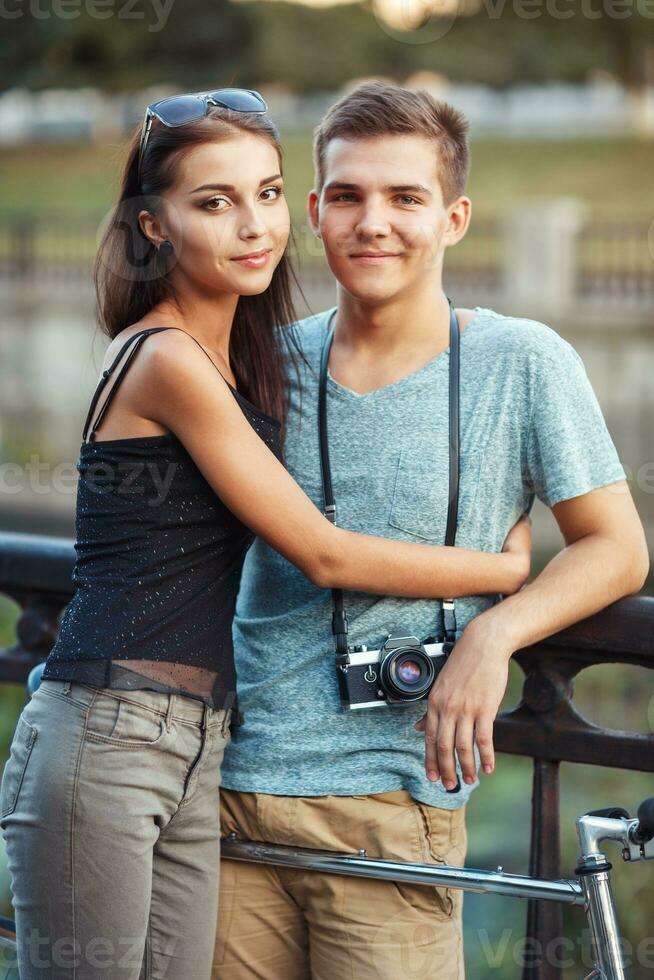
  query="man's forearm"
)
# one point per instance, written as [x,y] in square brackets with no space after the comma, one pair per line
[583,578]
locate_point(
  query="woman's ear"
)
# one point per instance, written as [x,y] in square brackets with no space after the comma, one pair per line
[151,227]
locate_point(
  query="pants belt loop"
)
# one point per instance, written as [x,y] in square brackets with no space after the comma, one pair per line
[169,711]
[205,716]
[66,688]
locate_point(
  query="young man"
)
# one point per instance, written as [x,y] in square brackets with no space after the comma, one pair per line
[391,168]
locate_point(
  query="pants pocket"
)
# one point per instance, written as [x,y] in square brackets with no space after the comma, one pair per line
[14,772]
[443,839]
[117,721]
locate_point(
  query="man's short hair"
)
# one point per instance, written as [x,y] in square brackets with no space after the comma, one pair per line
[381,109]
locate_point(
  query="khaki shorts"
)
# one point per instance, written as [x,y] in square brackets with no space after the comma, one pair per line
[288,924]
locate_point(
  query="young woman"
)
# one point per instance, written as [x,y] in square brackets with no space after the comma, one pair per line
[109,802]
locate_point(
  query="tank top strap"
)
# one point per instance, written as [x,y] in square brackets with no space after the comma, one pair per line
[135,341]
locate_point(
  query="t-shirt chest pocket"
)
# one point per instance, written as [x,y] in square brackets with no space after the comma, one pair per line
[420,497]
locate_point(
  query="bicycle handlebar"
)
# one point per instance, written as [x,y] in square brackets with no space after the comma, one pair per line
[644,830]
[610,812]
[636,833]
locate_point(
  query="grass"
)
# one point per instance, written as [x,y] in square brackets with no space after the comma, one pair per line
[611,176]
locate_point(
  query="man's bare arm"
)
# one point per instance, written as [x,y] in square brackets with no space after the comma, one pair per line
[605,558]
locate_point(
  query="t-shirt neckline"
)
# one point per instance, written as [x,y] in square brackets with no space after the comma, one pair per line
[443,355]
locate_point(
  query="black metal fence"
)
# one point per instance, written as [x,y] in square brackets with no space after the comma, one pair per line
[546,726]
[54,251]
[614,261]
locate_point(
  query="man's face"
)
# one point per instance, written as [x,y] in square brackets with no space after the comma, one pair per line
[381,215]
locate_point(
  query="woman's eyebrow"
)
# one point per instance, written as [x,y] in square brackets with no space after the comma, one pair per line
[230,187]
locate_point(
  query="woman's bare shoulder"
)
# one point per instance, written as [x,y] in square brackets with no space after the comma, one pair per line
[146,323]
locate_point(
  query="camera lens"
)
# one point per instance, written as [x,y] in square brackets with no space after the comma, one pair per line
[407,673]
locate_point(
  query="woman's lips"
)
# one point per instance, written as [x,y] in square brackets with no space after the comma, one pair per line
[255,260]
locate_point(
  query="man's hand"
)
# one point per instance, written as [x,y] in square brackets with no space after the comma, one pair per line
[604,559]
[463,704]
[467,693]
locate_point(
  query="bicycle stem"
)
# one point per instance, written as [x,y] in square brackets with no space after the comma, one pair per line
[593,870]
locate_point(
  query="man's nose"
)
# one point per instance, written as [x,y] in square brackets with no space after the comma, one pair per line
[372,222]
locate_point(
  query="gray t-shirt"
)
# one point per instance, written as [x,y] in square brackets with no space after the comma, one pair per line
[530,424]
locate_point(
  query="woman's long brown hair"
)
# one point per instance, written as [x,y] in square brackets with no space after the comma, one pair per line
[131,277]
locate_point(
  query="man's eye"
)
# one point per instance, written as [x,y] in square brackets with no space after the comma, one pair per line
[276,192]
[407,199]
[344,196]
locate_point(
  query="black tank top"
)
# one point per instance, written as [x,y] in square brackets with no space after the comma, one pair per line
[159,559]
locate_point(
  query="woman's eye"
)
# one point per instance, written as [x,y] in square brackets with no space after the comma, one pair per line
[213,200]
[275,191]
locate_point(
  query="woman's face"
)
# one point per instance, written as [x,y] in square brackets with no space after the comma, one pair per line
[226,216]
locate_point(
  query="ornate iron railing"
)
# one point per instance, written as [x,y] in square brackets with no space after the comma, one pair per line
[36,573]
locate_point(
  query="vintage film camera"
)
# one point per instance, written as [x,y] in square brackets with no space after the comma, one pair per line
[404,669]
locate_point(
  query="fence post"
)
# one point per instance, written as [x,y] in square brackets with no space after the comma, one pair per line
[22,248]
[544,929]
[540,270]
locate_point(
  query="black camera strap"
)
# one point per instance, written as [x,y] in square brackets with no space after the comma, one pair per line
[339,614]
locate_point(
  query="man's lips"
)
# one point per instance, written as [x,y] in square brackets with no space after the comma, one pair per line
[373,258]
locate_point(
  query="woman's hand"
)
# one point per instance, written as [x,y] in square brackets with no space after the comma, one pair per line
[518,545]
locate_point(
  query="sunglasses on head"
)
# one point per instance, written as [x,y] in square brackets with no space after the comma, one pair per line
[179,110]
